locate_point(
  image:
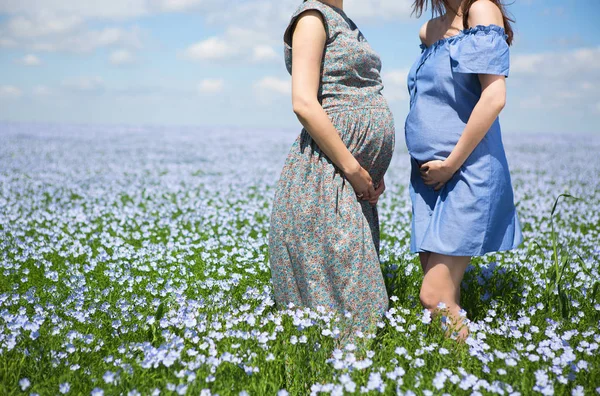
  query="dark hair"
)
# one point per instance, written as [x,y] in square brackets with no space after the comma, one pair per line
[440,6]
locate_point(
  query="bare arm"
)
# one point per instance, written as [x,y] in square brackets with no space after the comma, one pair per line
[489,106]
[308,42]
[485,112]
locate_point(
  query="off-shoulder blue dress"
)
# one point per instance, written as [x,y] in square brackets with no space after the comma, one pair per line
[474,213]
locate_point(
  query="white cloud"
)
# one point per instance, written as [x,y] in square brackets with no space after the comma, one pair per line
[378,9]
[394,85]
[41,90]
[177,5]
[213,48]
[235,43]
[531,102]
[84,84]
[255,27]
[117,9]
[106,9]
[273,85]
[24,27]
[30,60]
[263,15]
[272,16]
[264,53]
[10,91]
[526,63]
[50,32]
[91,40]
[7,42]
[121,57]
[211,86]
[558,63]
[567,81]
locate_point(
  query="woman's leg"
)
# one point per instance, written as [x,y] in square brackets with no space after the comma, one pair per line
[424,258]
[441,283]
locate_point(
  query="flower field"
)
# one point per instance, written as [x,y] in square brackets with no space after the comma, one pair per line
[134,261]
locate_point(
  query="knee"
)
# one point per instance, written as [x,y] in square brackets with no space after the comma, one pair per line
[429,297]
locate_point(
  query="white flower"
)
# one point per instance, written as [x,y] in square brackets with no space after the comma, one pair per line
[375,382]
[64,388]
[24,383]
[426,318]
[109,377]
[578,391]
[439,380]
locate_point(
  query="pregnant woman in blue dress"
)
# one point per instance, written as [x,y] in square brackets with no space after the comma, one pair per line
[460,184]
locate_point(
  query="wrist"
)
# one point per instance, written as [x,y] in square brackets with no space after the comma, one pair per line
[451,165]
[352,166]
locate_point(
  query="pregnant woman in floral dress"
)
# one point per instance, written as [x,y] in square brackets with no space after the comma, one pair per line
[460,187]
[324,235]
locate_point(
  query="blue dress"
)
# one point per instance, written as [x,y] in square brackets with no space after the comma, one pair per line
[474,213]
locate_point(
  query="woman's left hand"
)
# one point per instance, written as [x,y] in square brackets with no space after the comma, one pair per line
[436,173]
[378,191]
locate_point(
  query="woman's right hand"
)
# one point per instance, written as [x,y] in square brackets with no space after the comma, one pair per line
[361,182]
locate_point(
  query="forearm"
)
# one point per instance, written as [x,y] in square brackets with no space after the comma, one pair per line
[482,117]
[317,123]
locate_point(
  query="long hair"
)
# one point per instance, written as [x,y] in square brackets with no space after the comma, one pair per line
[438,7]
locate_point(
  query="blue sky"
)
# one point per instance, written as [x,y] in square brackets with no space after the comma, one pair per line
[220,62]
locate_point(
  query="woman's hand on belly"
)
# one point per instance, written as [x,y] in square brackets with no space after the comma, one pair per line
[361,182]
[436,173]
[379,189]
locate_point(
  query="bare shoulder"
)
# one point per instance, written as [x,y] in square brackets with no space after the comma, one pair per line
[428,29]
[423,32]
[485,12]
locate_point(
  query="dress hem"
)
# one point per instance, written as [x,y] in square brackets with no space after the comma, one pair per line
[471,254]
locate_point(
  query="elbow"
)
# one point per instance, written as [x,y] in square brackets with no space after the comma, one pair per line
[500,102]
[302,105]
[496,101]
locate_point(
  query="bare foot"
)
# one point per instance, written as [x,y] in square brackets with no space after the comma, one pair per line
[459,329]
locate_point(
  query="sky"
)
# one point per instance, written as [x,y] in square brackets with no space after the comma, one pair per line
[220,62]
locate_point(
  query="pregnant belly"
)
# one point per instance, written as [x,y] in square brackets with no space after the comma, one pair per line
[369,134]
[431,142]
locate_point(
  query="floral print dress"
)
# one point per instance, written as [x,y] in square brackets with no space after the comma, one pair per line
[323,240]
